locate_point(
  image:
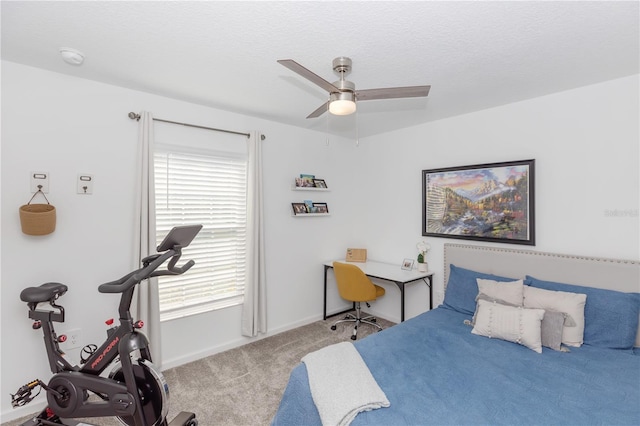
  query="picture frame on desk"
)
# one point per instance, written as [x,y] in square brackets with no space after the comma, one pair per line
[407,264]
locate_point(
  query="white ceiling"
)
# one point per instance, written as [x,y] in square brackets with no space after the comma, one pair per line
[475,55]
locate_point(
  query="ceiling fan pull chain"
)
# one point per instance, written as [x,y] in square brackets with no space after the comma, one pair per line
[357,131]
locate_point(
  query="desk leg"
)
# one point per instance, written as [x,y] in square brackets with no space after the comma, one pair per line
[324,313]
[401,287]
[430,285]
[428,281]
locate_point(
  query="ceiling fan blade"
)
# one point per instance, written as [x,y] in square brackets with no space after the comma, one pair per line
[321,110]
[309,75]
[392,92]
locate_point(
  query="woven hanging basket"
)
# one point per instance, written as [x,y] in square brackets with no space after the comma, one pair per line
[38,219]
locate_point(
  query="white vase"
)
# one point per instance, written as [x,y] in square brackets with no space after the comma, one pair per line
[423,267]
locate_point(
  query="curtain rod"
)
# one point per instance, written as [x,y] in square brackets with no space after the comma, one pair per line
[134,116]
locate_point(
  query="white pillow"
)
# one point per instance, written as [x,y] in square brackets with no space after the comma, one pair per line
[514,324]
[509,291]
[571,304]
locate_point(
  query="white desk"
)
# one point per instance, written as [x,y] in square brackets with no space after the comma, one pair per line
[387,272]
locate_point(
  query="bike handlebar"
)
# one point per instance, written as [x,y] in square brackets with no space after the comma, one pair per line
[148,271]
[174,270]
[116,282]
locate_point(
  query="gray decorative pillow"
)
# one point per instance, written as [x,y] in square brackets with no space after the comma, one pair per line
[551,329]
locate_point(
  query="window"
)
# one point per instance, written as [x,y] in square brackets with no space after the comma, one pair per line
[207,189]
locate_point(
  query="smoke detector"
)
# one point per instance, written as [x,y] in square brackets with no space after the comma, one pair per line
[72,56]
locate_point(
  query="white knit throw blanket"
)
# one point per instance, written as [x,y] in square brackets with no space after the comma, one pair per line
[341,384]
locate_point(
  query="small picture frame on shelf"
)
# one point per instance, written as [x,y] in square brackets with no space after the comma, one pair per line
[407,264]
[320,208]
[319,183]
[307,180]
[299,208]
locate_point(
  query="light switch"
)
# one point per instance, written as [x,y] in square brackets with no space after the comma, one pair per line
[85,184]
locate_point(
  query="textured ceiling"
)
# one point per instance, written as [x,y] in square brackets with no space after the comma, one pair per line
[475,55]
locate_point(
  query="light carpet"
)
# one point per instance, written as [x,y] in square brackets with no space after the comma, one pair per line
[243,386]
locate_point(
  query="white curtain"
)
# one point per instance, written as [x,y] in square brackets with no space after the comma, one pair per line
[254,315]
[146,305]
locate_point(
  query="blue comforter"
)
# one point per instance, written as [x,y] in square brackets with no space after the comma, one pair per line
[434,371]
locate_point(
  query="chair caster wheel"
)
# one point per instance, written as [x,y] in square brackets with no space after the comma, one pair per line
[193,422]
[353,337]
[333,327]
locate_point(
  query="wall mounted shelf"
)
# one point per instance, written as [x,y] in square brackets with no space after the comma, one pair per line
[310,188]
[308,208]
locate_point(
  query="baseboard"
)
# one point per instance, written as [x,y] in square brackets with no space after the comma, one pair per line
[187,358]
[385,316]
[32,409]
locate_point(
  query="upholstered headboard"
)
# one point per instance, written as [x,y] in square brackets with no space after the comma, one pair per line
[610,274]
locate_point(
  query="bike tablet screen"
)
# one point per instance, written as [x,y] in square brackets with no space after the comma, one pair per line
[179,236]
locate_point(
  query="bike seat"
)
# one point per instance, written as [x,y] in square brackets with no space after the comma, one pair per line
[43,293]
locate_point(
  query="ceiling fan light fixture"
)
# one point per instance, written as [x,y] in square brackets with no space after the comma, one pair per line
[342,93]
[342,103]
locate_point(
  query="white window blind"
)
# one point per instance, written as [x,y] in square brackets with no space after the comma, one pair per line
[208,190]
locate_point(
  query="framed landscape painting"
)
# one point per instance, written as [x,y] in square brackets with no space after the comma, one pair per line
[484,202]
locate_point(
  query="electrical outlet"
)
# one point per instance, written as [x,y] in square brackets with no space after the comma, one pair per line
[73,339]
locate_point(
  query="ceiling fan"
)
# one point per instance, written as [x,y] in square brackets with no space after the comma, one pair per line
[343,94]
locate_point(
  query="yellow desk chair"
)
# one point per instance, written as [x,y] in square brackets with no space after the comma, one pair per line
[355,286]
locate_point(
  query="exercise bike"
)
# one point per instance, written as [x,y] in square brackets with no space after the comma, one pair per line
[135,391]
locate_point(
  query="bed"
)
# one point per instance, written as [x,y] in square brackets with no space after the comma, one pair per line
[434,370]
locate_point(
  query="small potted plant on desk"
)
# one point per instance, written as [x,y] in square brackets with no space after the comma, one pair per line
[423,249]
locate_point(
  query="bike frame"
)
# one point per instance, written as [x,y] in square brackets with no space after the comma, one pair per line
[105,354]
[118,398]
[123,340]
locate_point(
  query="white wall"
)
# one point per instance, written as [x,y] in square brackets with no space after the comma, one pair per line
[586,139]
[64,126]
[586,146]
